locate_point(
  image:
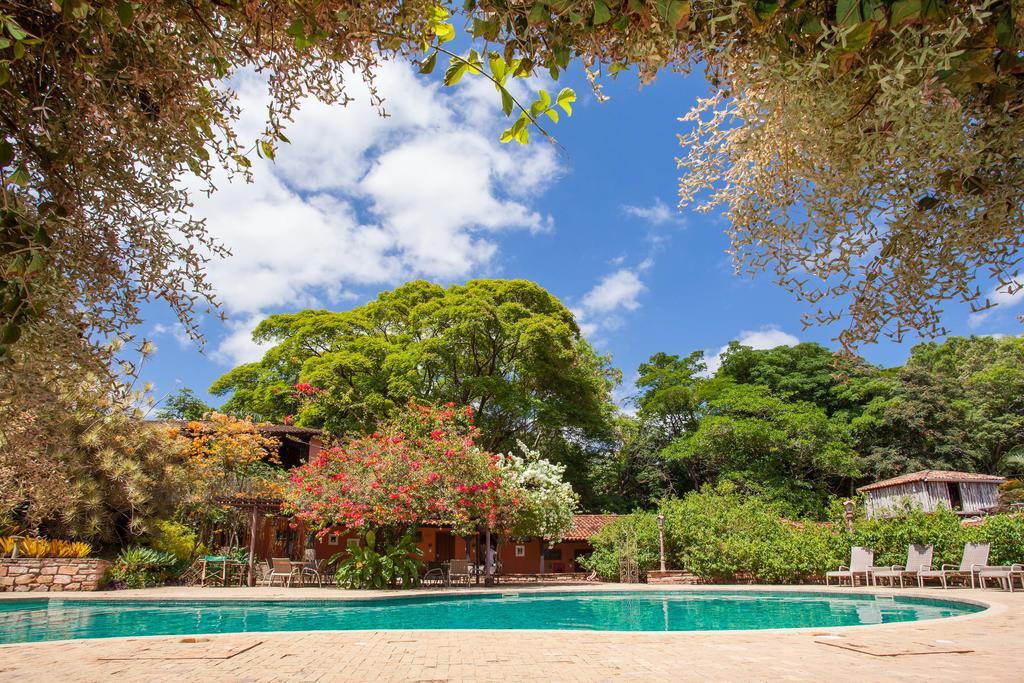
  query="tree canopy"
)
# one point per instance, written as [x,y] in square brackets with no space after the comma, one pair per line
[507,348]
[799,424]
[183,405]
[865,151]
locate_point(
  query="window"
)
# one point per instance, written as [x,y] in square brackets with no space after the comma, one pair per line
[553,554]
[955,501]
[520,551]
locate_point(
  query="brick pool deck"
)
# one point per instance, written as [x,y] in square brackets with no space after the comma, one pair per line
[902,652]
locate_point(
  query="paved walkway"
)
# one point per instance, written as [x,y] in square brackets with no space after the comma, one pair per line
[992,639]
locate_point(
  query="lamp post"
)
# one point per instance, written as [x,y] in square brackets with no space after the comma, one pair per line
[848,513]
[661,539]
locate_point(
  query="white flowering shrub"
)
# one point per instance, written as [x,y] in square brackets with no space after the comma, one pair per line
[542,502]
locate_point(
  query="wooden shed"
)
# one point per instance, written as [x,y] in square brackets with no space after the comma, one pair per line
[963,492]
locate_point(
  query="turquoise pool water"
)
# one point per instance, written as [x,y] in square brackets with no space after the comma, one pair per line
[59,619]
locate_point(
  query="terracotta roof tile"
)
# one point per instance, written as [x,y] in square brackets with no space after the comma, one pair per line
[585,526]
[933,475]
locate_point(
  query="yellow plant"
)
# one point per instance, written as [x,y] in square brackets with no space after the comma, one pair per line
[6,545]
[34,547]
[69,549]
[80,549]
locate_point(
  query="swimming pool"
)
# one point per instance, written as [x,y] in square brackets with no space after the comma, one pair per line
[710,610]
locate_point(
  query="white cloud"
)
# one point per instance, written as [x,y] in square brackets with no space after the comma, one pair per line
[601,309]
[767,337]
[359,200]
[1004,297]
[238,346]
[616,290]
[657,213]
[175,330]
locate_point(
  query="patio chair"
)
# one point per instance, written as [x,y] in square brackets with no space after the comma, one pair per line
[975,558]
[919,559]
[282,568]
[459,571]
[860,563]
[1005,576]
[434,574]
[314,569]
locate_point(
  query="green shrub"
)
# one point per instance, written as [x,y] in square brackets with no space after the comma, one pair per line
[889,537]
[364,567]
[175,538]
[139,567]
[721,534]
[1005,533]
[633,536]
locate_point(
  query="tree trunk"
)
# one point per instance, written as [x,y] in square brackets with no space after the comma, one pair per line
[251,578]
[488,559]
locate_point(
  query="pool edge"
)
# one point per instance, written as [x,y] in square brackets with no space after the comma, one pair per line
[989,609]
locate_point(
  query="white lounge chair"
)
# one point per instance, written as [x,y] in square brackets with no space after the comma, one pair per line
[1005,575]
[974,559]
[919,559]
[860,563]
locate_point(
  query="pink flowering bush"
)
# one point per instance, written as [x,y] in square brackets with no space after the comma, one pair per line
[421,466]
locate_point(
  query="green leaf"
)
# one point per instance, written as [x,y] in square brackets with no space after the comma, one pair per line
[933,9]
[674,12]
[242,160]
[859,36]
[428,64]
[498,68]
[601,12]
[552,114]
[848,13]
[125,13]
[10,333]
[537,14]
[455,71]
[444,32]
[6,153]
[15,31]
[904,12]
[506,135]
[19,177]
[764,9]
[36,264]
[507,103]
[268,149]
[565,99]
[297,29]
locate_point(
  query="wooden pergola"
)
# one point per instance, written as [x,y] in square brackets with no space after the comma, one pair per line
[254,506]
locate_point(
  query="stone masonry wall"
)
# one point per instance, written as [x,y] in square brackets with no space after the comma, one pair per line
[677,576]
[47,574]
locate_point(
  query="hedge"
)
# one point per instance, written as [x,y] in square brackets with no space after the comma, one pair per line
[721,535]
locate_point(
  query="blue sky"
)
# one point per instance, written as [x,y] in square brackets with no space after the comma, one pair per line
[358,203]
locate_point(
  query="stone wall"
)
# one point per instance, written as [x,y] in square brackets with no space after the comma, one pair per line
[45,574]
[678,576]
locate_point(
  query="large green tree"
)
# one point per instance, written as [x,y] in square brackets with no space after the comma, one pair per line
[507,348]
[790,451]
[955,405]
[802,372]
